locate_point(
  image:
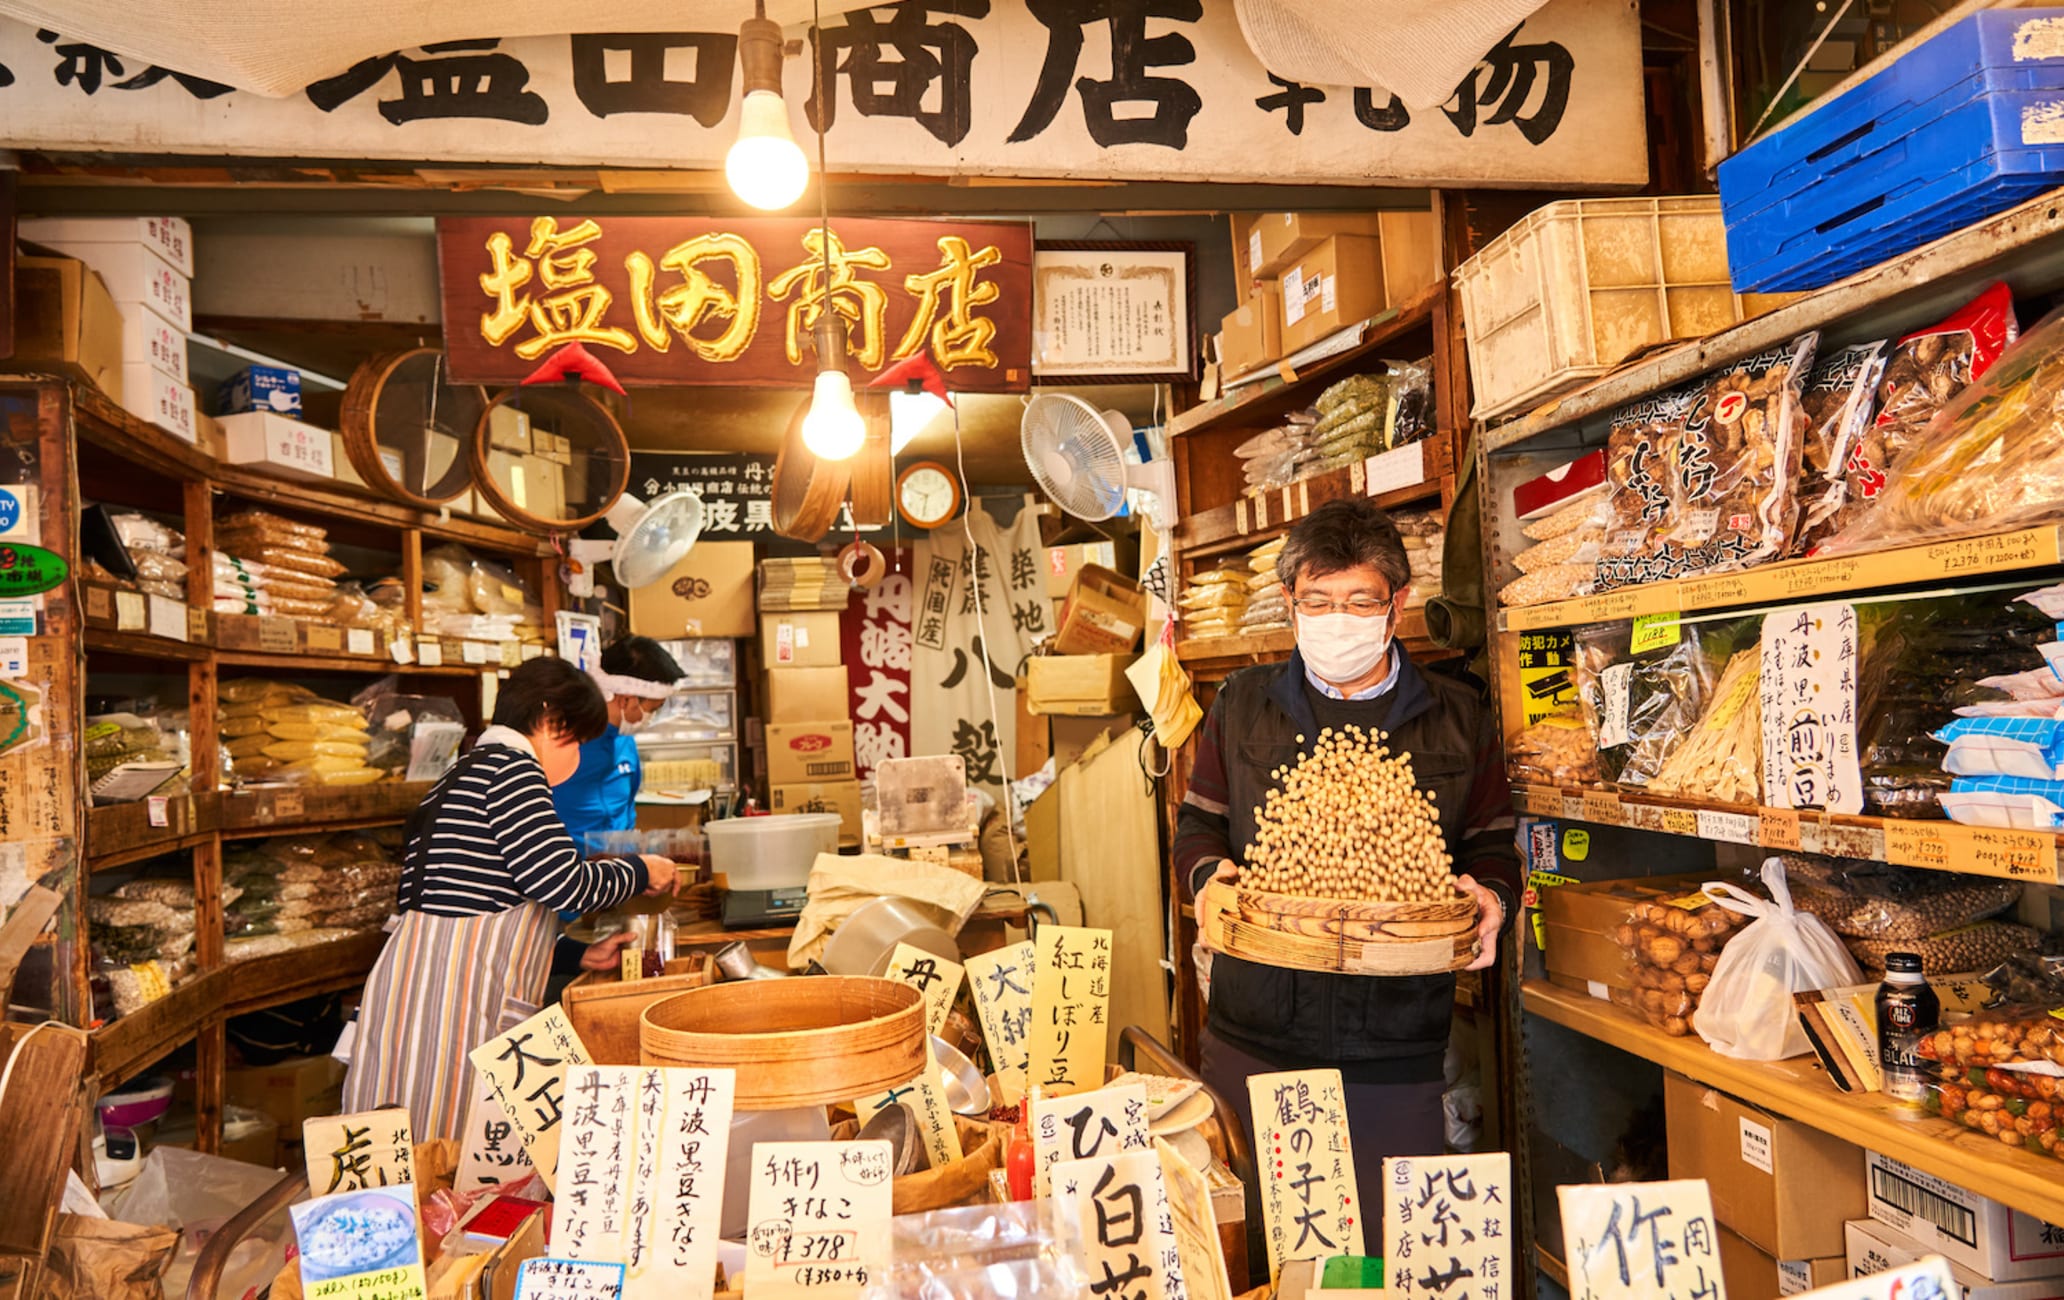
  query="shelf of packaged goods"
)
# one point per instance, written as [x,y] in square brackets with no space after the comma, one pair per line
[142,645]
[306,663]
[1406,476]
[1897,295]
[311,809]
[1277,643]
[1935,845]
[118,834]
[124,1048]
[261,982]
[1265,399]
[1799,1090]
[1959,560]
[107,426]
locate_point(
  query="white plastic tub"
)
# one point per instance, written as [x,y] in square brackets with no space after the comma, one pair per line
[770,852]
[1579,286]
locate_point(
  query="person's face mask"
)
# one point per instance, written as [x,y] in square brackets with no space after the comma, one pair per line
[633,714]
[1341,646]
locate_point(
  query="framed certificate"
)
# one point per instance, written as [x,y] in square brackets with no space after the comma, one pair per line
[1114,312]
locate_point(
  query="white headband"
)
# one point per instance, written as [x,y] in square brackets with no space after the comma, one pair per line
[613,685]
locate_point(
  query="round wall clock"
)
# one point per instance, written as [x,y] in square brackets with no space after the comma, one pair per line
[927,494]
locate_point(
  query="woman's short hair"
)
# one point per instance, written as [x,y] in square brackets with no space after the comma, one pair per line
[643,658]
[1344,534]
[552,694]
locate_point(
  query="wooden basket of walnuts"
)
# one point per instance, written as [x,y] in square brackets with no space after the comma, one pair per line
[1672,947]
[1348,872]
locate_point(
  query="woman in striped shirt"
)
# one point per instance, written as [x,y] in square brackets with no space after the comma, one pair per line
[486,865]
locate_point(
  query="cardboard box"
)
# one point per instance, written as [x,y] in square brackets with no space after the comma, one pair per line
[1411,253]
[1252,335]
[1071,736]
[1962,1226]
[1246,249]
[1749,1272]
[841,797]
[806,694]
[169,237]
[261,388]
[1078,684]
[1587,959]
[208,433]
[800,640]
[805,753]
[136,274]
[1105,613]
[708,594]
[1280,238]
[278,445]
[155,397]
[1785,1187]
[291,1091]
[1043,835]
[1876,1248]
[1336,284]
[508,429]
[149,337]
[65,319]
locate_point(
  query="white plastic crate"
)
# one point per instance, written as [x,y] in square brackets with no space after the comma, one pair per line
[1579,286]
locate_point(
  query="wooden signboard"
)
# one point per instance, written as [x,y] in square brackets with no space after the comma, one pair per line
[1447,1224]
[1071,997]
[935,977]
[347,1153]
[526,1070]
[1001,982]
[1310,1205]
[1633,1241]
[1086,1124]
[1114,1218]
[696,300]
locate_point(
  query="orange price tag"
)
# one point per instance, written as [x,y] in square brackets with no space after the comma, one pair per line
[1916,844]
[1680,821]
[1602,806]
[1778,828]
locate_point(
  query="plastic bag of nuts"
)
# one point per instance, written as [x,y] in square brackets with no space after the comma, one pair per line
[1975,947]
[1672,948]
[1861,899]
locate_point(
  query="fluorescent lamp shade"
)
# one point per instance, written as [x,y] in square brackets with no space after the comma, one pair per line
[766,166]
[833,429]
[909,413]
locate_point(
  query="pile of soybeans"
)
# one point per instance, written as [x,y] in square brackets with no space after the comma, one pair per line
[1348,822]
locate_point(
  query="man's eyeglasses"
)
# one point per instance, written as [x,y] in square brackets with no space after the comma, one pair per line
[1359,605]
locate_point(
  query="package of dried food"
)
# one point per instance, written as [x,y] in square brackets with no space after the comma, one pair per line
[1580,546]
[2006,802]
[1840,401]
[1861,899]
[1672,950]
[1721,761]
[1978,946]
[1360,390]
[1640,505]
[1556,582]
[1411,403]
[1924,373]
[1642,707]
[2026,979]
[1557,750]
[1585,509]
[2018,1108]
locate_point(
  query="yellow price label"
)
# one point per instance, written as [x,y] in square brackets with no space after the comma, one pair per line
[1655,631]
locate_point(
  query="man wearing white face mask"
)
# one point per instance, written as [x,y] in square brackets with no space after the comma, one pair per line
[1345,574]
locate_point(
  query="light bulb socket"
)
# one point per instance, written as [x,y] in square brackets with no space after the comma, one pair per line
[829,338]
[759,54]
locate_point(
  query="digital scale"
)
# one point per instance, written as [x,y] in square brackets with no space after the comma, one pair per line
[755,909]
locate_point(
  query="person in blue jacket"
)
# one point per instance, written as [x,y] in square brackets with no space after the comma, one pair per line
[636,676]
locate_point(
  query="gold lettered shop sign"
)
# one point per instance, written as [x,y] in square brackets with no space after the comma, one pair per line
[670,301]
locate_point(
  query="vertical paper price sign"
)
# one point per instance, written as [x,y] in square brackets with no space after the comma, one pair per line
[1071,996]
[1196,1226]
[1447,1225]
[1641,1240]
[935,977]
[349,1153]
[641,1175]
[1114,1217]
[568,1279]
[1808,694]
[490,1151]
[817,1218]
[927,1101]
[1002,985]
[526,1069]
[1311,1207]
[1085,1125]
[360,1245]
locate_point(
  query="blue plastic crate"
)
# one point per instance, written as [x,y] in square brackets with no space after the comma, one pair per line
[1936,141]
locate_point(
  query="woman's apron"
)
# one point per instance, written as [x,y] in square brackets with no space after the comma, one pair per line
[442,986]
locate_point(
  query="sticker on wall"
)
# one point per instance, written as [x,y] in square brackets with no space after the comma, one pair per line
[29,570]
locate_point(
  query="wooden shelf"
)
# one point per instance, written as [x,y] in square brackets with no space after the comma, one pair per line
[118,834]
[142,645]
[313,809]
[1798,1090]
[123,1048]
[1277,643]
[1794,580]
[263,982]
[1908,291]
[1934,845]
[1251,404]
[343,664]
[1258,516]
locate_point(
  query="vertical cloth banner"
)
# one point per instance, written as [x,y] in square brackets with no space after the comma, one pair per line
[960,654]
[875,644]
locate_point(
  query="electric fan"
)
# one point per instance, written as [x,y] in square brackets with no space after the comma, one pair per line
[652,539]
[1077,454]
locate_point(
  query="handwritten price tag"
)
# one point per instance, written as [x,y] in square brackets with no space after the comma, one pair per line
[1680,821]
[2016,855]
[1727,827]
[1778,828]
[1916,844]
[1601,806]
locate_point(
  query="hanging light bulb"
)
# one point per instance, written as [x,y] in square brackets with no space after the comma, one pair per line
[833,430]
[766,167]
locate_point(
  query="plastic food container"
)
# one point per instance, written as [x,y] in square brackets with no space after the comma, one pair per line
[139,1103]
[1578,286]
[771,852]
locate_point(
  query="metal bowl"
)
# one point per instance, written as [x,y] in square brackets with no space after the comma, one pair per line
[967,1092]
